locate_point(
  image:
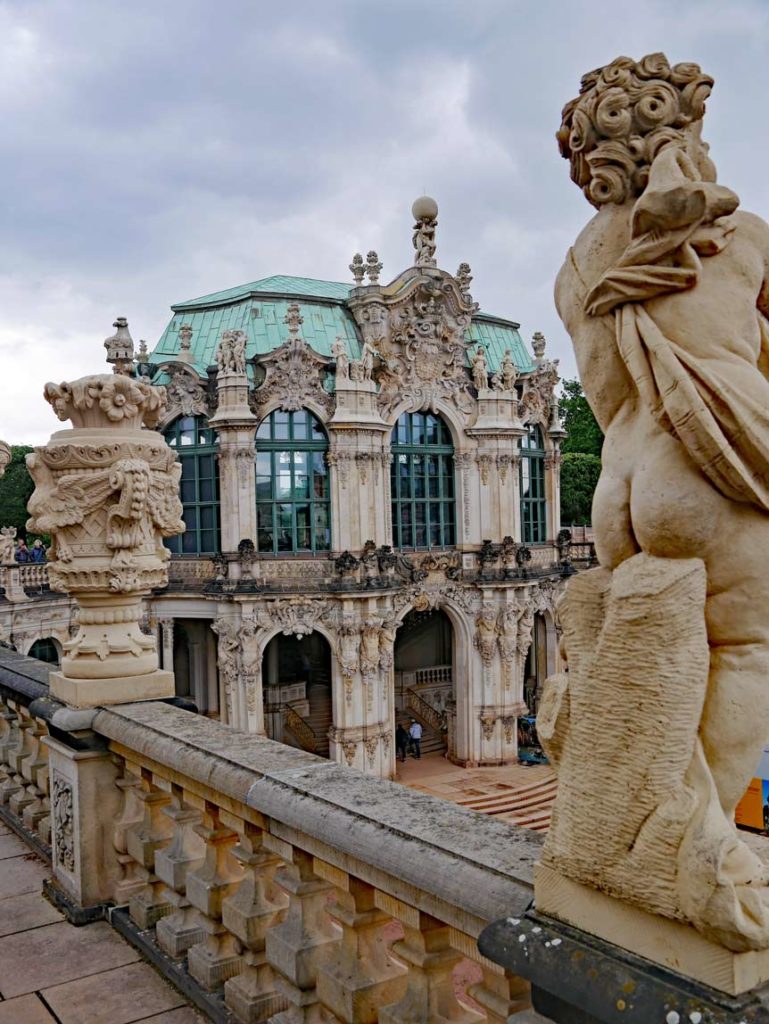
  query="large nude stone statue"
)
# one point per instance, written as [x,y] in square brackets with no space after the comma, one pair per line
[659,724]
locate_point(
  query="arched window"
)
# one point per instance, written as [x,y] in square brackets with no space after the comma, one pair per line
[196,445]
[292,492]
[532,481]
[422,476]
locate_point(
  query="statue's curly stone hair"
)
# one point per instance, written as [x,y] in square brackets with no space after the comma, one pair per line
[625,113]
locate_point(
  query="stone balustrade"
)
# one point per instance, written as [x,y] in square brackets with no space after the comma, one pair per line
[287,887]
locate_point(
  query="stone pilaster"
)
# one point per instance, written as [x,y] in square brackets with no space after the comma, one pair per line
[236,425]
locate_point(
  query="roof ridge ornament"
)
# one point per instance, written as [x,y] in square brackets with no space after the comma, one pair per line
[538,343]
[294,320]
[425,213]
[464,279]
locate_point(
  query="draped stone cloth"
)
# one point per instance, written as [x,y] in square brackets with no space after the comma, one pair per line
[721,417]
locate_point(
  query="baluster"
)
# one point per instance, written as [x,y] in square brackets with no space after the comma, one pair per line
[362,977]
[8,739]
[37,814]
[217,958]
[501,994]
[148,904]
[182,927]
[15,753]
[257,906]
[296,947]
[131,814]
[430,997]
[31,765]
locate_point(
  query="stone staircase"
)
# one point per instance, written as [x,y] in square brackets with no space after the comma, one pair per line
[529,806]
[433,739]
[320,716]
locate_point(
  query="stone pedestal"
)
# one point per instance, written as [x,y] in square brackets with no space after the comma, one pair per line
[83,797]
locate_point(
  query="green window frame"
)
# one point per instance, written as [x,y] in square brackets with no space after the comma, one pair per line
[422,483]
[197,446]
[531,476]
[293,498]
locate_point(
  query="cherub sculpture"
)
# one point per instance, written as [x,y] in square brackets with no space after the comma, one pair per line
[665,294]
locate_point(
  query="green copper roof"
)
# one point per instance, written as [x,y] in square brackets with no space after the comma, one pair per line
[258,309]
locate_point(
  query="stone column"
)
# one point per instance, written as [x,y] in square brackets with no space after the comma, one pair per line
[236,426]
[107,491]
[167,643]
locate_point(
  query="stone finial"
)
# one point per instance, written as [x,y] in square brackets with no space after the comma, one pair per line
[120,348]
[293,319]
[538,343]
[373,267]
[143,352]
[425,212]
[107,492]
[358,268]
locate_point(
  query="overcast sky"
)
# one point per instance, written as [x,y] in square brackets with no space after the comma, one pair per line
[155,151]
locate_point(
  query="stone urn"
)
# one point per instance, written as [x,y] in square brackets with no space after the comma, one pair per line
[107,492]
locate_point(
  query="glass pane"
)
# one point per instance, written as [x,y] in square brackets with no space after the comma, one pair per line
[300,425]
[190,543]
[301,462]
[264,464]
[187,491]
[303,528]
[280,425]
[264,430]
[207,465]
[322,532]
[190,516]
[206,490]
[188,467]
[433,487]
[448,535]
[403,430]
[448,479]
[207,521]
[264,527]
[432,430]
[435,513]
[448,513]
[283,475]
[418,429]
[285,527]
[301,485]
[419,487]
[435,535]
[433,465]
[187,437]
[317,433]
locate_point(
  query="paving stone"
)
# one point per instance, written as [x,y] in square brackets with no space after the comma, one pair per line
[12,846]
[120,996]
[25,1010]
[55,953]
[30,910]
[22,874]
[184,1015]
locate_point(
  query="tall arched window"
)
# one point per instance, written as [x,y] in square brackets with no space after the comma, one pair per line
[422,478]
[532,481]
[197,446]
[292,492]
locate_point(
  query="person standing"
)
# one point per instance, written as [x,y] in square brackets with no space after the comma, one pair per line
[22,552]
[401,741]
[37,553]
[415,732]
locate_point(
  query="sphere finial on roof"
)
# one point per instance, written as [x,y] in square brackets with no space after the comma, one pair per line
[424,208]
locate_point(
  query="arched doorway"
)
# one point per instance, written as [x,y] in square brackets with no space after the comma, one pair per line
[536,666]
[46,650]
[296,679]
[424,677]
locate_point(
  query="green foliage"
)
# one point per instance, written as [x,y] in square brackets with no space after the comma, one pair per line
[584,434]
[15,491]
[579,476]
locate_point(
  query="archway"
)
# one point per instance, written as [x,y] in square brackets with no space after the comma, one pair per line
[194,655]
[47,650]
[424,676]
[296,681]
[536,666]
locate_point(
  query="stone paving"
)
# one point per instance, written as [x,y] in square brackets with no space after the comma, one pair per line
[54,973]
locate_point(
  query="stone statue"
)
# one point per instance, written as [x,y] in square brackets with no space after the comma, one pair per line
[665,294]
[367,354]
[480,370]
[339,352]
[425,211]
[107,491]
[7,544]
[509,371]
[231,352]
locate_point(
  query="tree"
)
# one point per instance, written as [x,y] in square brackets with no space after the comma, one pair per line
[584,434]
[579,476]
[581,449]
[15,490]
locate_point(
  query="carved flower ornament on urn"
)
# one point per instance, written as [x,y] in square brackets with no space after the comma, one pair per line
[107,492]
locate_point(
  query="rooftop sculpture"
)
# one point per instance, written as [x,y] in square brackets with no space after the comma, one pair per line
[660,722]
